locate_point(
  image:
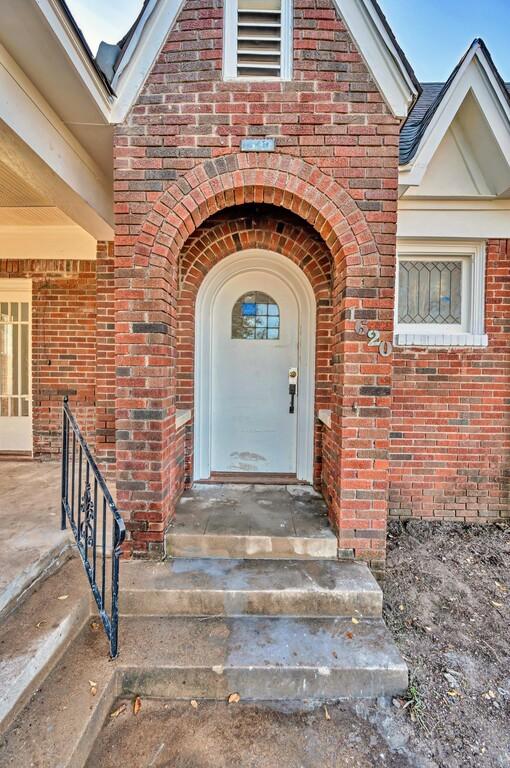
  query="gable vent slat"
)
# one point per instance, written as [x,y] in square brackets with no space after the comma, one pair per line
[259,38]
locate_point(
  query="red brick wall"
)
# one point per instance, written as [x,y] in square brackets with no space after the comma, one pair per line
[450,438]
[178,162]
[72,333]
[63,344]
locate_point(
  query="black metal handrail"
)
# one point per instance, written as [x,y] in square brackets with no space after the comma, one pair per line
[87,504]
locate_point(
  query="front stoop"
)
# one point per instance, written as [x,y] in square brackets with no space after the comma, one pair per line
[269,630]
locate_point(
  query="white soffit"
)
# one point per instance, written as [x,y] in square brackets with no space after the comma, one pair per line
[39,148]
[465,150]
[37,241]
[364,23]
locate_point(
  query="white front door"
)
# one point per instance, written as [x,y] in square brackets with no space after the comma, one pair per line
[15,367]
[255,342]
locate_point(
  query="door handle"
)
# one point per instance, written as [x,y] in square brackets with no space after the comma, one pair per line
[293,376]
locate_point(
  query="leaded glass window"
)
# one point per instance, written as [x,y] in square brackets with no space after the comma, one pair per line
[256,316]
[430,292]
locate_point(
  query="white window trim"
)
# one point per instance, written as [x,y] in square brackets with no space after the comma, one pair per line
[230,44]
[472,332]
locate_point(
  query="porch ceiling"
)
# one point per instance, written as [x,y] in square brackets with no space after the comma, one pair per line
[32,227]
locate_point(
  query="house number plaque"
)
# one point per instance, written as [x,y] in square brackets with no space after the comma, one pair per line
[374,338]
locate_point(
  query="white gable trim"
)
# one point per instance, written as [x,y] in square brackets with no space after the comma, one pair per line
[475,75]
[380,54]
[141,53]
[361,18]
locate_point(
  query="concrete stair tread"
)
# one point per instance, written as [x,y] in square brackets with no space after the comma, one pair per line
[207,586]
[257,642]
[260,658]
[36,634]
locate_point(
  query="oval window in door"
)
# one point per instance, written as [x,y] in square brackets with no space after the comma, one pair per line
[256,316]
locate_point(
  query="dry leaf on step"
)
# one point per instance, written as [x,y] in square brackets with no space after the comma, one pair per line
[349,635]
[194,704]
[93,687]
[119,711]
[94,625]
[40,623]
[63,597]
[326,713]
[234,698]
[137,705]
[355,621]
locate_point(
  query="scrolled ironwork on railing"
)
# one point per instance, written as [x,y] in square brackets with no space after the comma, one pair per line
[89,508]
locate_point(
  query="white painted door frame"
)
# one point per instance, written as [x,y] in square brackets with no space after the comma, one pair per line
[16,431]
[295,279]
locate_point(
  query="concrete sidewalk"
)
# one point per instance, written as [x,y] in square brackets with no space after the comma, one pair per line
[30,535]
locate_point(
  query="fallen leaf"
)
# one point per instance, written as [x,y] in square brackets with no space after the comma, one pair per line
[234,698]
[40,623]
[496,605]
[326,713]
[355,621]
[119,711]
[137,705]
[349,635]
[93,687]
[194,704]
[453,693]
[94,626]
[63,597]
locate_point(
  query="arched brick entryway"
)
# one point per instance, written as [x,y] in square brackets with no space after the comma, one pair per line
[149,457]
[243,228]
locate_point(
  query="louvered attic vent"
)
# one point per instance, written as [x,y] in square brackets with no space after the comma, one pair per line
[259,38]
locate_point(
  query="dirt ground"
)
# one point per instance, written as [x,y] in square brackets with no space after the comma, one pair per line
[447,596]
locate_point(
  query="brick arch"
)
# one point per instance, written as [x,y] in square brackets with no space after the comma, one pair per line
[150,451]
[241,178]
[266,227]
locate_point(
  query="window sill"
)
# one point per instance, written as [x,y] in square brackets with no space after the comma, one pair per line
[324,415]
[441,340]
[182,417]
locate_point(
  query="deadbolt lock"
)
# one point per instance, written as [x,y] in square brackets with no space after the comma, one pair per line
[293,375]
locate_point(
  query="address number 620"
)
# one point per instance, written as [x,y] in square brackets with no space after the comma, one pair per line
[374,338]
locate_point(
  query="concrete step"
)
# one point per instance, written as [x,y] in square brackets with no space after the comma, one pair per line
[220,587]
[261,659]
[37,633]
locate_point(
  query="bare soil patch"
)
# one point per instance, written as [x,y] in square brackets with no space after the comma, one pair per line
[447,597]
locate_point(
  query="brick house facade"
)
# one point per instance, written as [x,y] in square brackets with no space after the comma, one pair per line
[420,430]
